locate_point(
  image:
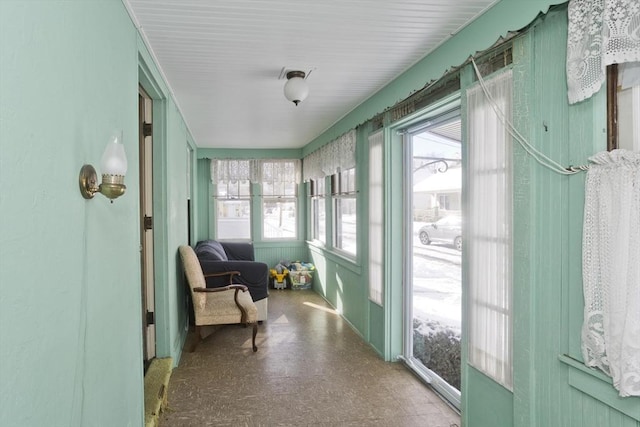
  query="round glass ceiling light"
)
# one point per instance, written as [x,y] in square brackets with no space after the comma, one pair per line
[296,89]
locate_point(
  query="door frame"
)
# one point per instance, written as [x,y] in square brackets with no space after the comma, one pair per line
[158,93]
[147,261]
[450,393]
[398,280]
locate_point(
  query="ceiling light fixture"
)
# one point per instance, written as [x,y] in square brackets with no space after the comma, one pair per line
[296,89]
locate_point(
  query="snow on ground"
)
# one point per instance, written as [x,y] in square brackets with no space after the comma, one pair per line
[436,285]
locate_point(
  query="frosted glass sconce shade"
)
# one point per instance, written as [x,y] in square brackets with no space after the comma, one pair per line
[114,160]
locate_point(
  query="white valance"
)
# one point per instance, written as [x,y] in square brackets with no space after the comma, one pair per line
[280,170]
[611,268]
[256,170]
[232,170]
[336,156]
[601,32]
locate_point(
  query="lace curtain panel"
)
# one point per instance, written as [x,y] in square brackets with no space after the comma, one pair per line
[338,155]
[601,32]
[611,268]
[256,171]
[232,170]
[280,170]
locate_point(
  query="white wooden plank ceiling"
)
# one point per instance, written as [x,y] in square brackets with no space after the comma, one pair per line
[222,59]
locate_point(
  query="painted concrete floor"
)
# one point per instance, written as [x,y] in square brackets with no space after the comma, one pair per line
[311,369]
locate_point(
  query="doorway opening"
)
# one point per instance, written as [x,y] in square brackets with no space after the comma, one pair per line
[433,267]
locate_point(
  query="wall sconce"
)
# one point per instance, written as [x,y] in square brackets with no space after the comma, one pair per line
[114,168]
[296,88]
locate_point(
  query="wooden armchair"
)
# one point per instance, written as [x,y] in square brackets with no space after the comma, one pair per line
[226,305]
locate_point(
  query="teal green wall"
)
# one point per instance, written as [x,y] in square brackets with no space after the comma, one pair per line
[340,282]
[70,320]
[486,403]
[172,202]
[272,253]
[548,304]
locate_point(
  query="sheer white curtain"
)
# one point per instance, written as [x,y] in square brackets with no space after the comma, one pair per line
[376,217]
[490,230]
[601,32]
[337,155]
[611,268]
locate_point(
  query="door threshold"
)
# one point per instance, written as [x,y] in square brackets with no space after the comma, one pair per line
[156,386]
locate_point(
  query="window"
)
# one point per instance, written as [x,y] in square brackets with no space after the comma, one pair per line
[338,160]
[623,91]
[318,225]
[343,189]
[233,180]
[233,206]
[490,231]
[443,202]
[279,200]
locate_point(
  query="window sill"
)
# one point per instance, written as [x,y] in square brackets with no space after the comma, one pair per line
[344,261]
[599,386]
[317,244]
[262,244]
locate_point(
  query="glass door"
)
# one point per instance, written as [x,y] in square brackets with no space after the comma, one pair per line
[433,269]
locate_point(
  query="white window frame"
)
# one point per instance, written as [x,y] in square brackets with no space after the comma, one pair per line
[231,194]
[281,192]
[318,209]
[343,189]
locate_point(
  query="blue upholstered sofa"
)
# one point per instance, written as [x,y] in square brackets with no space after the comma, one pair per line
[218,257]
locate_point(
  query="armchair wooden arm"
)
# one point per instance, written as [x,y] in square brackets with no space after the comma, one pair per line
[242,288]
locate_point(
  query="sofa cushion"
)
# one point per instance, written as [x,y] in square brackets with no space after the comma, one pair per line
[210,250]
[239,250]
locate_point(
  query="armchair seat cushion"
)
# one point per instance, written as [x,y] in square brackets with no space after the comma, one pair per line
[220,309]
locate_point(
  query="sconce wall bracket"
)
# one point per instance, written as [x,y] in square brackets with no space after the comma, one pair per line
[88,182]
[112,186]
